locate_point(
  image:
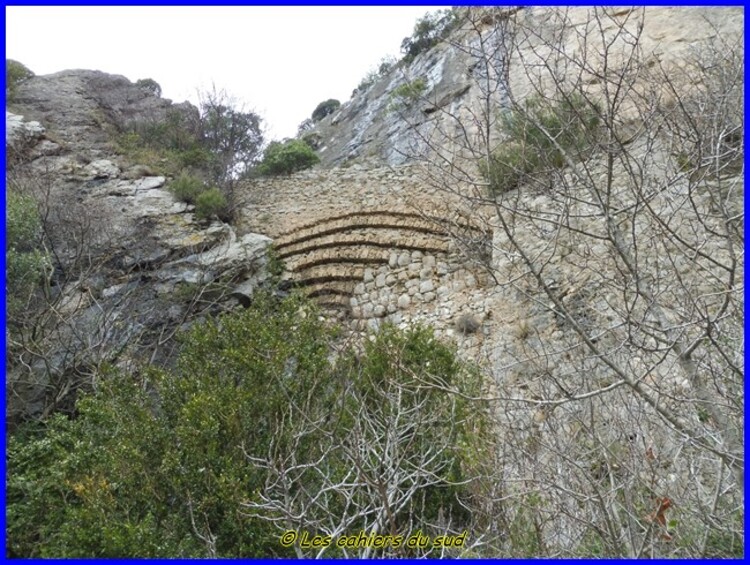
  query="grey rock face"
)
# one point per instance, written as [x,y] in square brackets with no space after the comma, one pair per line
[146,249]
[84,107]
[17,130]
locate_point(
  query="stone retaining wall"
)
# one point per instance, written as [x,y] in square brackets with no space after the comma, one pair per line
[371,245]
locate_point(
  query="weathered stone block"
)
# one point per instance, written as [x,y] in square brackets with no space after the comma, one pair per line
[426,286]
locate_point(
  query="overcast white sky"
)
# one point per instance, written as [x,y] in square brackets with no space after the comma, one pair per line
[281,61]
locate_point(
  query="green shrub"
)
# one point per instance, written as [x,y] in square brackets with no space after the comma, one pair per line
[156,462]
[407,93]
[168,146]
[508,167]
[187,188]
[572,122]
[25,263]
[149,85]
[429,30]
[194,158]
[210,203]
[325,108]
[15,74]
[411,90]
[219,140]
[287,158]
[275,265]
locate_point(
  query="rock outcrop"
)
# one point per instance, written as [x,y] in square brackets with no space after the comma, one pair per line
[131,263]
[82,108]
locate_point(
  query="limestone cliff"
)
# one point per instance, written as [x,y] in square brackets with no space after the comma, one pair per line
[130,262]
[371,127]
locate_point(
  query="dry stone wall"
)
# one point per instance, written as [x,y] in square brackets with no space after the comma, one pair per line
[373,245]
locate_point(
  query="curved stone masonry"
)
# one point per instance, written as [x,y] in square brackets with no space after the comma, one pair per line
[377,219]
[368,245]
[367,240]
[329,257]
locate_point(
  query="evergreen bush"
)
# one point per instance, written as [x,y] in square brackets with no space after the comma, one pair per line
[287,157]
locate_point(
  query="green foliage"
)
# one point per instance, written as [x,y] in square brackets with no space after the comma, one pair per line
[429,30]
[508,167]
[221,141]
[725,544]
[524,535]
[571,122]
[149,85]
[210,203]
[407,93]
[287,157]
[325,108]
[540,137]
[25,262]
[399,360]
[22,222]
[15,74]
[153,465]
[168,146]
[187,188]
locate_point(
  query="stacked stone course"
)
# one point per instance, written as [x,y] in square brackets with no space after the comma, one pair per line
[370,245]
